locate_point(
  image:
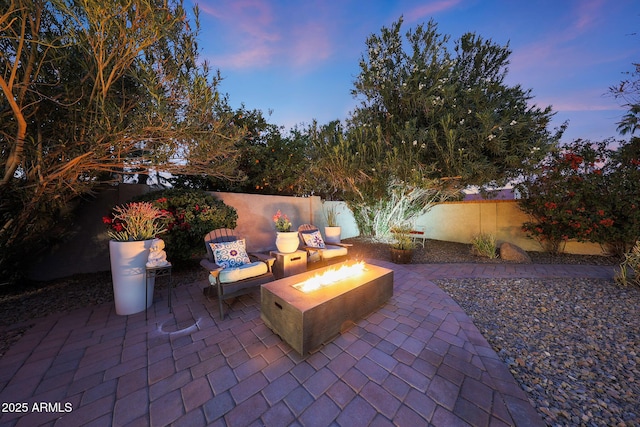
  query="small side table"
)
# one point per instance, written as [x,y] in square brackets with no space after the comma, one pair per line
[152,273]
[289,264]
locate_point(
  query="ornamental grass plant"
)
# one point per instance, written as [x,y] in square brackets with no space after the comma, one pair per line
[134,221]
[629,273]
[402,238]
[484,244]
[332,216]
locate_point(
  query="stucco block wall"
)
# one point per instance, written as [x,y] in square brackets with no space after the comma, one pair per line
[454,221]
[460,221]
[87,248]
[255,216]
[87,251]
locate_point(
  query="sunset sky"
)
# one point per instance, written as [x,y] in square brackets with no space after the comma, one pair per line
[299,59]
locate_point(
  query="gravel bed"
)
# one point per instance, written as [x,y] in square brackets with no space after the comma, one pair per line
[437,251]
[573,345]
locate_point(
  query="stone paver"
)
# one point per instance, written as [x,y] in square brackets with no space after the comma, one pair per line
[418,360]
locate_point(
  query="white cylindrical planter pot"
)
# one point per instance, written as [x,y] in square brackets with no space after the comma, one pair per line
[287,241]
[332,234]
[128,272]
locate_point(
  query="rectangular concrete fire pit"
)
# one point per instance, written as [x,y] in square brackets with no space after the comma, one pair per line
[307,320]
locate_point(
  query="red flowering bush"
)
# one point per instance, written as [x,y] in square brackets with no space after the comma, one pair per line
[188,216]
[585,191]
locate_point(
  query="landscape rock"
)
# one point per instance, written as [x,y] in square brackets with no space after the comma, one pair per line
[579,365]
[511,252]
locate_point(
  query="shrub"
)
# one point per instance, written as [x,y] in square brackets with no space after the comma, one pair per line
[332,213]
[631,262]
[484,244]
[190,214]
[402,204]
[585,191]
[402,237]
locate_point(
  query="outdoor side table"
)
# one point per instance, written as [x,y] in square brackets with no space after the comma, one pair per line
[289,264]
[155,272]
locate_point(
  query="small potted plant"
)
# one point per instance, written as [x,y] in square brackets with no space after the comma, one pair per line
[132,228]
[332,231]
[286,240]
[402,246]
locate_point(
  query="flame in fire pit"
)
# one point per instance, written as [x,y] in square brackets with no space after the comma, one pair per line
[330,277]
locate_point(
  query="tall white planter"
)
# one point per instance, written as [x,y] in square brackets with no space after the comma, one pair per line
[332,234]
[287,241]
[128,272]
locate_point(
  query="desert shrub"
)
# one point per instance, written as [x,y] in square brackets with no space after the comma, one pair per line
[629,273]
[190,214]
[484,244]
[402,205]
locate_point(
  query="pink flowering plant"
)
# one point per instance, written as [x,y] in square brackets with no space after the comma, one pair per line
[282,222]
[134,222]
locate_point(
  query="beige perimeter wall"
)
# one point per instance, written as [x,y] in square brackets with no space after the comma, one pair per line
[460,221]
[87,251]
[255,216]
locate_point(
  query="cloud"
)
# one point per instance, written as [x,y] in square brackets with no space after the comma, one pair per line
[587,13]
[310,43]
[247,58]
[576,100]
[426,10]
[248,27]
[260,33]
[555,49]
[584,106]
[253,17]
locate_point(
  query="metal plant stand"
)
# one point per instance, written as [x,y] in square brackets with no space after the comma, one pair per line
[155,272]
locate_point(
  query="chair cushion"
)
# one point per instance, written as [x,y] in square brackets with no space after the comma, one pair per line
[313,239]
[331,251]
[328,252]
[230,254]
[245,271]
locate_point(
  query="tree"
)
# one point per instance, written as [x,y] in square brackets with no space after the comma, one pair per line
[629,92]
[95,90]
[268,161]
[432,118]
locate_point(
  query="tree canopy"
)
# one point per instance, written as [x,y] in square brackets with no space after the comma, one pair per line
[629,92]
[269,161]
[92,91]
[432,116]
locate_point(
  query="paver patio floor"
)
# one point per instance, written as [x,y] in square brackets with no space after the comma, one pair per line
[418,360]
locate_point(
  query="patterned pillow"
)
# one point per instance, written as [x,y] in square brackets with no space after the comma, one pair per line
[230,254]
[313,239]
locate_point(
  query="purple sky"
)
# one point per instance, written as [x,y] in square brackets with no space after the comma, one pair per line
[299,58]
